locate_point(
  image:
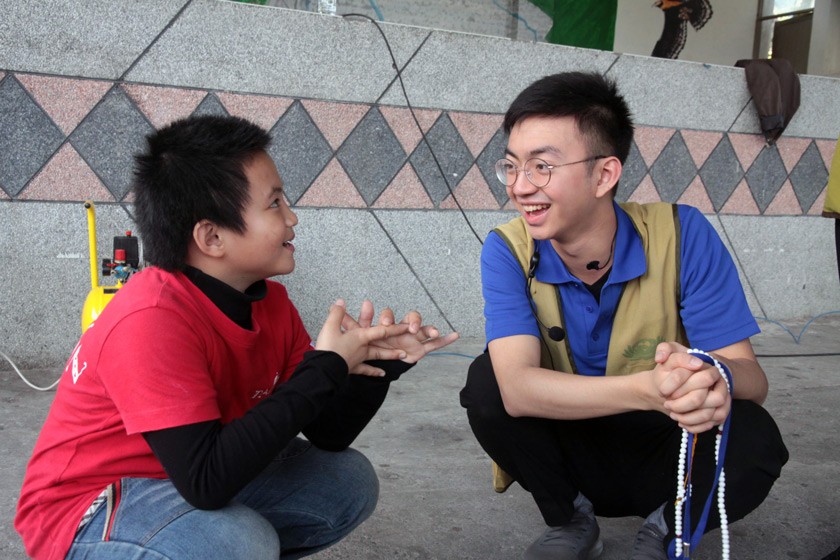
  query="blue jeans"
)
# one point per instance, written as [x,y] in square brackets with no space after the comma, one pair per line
[306,500]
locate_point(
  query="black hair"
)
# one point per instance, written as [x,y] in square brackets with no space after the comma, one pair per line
[192,170]
[601,114]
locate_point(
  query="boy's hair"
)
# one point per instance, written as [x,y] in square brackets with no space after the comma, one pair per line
[599,110]
[192,170]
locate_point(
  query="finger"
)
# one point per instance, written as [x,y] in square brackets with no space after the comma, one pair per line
[414,321]
[348,322]
[368,370]
[379,353]
[440,342]
[704,379]
[386,317]
[665,349]
[366,314]
[427,332]
[701,417]
[380,332]
[694,400]
[673,381]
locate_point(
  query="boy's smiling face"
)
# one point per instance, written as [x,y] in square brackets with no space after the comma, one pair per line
[264,248]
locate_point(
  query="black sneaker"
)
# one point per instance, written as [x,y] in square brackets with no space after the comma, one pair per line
[650,544]
[579,539]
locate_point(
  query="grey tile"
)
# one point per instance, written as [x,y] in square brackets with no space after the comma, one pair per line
[28,137]
[449,151]
[257,49]
[493,152]
[634,170]
[721,173]
[673,170]
[211,105]
[80,37]
[443,75]
[371,155]
[809,177]
[766,176]
[299,150]
[680,94]
[109,137]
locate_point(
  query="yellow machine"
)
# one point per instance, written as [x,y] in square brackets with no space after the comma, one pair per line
[125,262]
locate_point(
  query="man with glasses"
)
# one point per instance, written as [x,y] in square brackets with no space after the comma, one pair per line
[615,294]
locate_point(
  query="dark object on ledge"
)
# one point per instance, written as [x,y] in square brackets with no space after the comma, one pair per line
[775,89]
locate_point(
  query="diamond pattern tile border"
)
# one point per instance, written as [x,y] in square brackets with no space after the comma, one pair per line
[63,139]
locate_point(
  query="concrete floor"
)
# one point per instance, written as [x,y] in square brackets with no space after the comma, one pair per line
[436,501]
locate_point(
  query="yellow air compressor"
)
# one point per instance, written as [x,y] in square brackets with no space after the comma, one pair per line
[125,262]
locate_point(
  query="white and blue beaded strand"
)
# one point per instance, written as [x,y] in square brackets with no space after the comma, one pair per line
[683,543]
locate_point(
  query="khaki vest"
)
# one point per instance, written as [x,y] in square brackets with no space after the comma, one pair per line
[647,312]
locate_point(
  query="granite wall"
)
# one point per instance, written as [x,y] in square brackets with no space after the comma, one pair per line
[384,213]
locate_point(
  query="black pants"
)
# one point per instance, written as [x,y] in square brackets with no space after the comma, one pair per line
[624,464]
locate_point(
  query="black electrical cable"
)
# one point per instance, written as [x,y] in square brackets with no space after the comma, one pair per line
[417,122]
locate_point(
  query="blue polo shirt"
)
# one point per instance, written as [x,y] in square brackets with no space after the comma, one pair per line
[713,307]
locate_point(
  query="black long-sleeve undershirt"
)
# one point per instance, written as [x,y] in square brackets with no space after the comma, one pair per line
[210,462]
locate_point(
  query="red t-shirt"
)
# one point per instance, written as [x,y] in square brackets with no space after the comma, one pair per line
[160,355]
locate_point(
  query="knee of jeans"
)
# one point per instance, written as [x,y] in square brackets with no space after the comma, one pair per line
[481,395]
[362,490]
[250,532]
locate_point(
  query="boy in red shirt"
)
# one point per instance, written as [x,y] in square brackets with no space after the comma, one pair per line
[174,430]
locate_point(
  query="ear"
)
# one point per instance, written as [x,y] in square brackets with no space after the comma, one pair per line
[608,172]
[207,237]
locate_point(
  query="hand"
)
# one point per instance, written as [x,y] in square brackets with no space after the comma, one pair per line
[694,393]
[356,345]
[418,341]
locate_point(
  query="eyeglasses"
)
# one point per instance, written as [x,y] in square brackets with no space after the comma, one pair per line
[537,171]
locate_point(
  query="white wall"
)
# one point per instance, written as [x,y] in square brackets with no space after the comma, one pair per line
[727,37]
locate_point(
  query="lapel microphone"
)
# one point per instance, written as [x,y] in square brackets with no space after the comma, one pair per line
[554,333]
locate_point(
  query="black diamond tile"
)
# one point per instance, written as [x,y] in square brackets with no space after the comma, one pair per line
[211,105]
[451,153]
[809,177]
[493,152]
[721,173]
[632,173]
[673,170]
[28,137]
[371,155]
[766,176]
[299,150]
[109,137]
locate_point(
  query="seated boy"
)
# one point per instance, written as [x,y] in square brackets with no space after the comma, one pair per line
[174,430]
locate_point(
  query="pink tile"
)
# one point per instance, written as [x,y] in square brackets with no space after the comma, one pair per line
[651,141]
[476,129]
[66,101]
[741,201]
[404,127]
[335,120]
[791,149]
[700,144]
[162,105]
[2,74]
[66,177]
[405,191]
[784,203]
[262,110]
[827,148]
[645,192]
[747,147]
[472,193]
[819,204]
[696,195]
[332,189]
[509,205]
[129,197]
[3,195]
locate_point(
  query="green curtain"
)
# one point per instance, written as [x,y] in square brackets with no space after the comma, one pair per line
[581,23]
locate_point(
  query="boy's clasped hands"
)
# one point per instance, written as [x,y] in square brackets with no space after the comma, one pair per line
[359,341]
